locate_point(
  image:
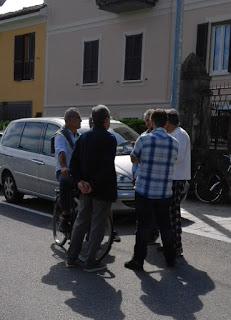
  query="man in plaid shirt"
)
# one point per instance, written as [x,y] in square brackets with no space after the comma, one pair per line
[156,154]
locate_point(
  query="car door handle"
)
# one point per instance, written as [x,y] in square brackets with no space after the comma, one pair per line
[41,163]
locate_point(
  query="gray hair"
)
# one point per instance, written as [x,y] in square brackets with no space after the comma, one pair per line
[99,114]
[148,113]
[70,113]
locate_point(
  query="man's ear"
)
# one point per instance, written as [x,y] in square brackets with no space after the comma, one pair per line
[107,123]
[166,125]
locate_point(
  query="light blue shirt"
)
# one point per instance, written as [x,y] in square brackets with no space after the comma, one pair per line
[62,145]
[135,166]
[157,154]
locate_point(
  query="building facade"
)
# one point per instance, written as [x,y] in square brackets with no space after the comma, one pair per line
[104,51]
[22,63]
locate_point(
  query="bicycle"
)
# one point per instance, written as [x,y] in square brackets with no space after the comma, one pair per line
[213,184]
[61,238]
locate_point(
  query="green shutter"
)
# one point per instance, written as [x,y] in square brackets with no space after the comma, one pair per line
[18,57]
[202,39]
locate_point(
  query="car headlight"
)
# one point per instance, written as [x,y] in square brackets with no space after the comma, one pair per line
[124,182]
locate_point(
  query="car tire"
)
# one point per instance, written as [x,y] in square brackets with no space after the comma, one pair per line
[10,190]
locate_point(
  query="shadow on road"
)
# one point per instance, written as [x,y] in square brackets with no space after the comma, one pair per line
[174,293]
[177,293]
[29,217]
[93,296]
[215,209]
[213,224]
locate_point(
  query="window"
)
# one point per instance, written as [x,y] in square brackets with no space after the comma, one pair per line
[12,136]
[90,64]
[49,139]
[24,57]
[220,59]
[133,57]
[30,140]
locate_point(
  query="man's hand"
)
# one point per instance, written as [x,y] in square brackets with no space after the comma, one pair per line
[84,187]
[134,160]
[63,164]
[64,171]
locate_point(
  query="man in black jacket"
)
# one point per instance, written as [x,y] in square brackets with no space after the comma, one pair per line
[92,167]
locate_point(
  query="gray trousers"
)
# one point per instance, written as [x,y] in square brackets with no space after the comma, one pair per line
[92,216]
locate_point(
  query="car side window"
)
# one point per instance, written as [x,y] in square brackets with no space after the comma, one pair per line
[30,140]
[12,135]
[49,135]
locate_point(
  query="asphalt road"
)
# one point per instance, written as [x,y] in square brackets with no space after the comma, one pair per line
[35,284]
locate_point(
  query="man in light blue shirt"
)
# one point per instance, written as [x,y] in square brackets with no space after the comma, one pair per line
[156,153]
[64,143]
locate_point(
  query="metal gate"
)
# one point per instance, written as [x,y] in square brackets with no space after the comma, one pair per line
[220,125]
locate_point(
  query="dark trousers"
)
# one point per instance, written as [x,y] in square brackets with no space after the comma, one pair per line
[65,191]
[150,212]
[175,214]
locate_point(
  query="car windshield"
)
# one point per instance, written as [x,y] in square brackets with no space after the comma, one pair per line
[125,137]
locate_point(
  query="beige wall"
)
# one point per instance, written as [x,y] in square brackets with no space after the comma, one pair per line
[65,58]
[69,26]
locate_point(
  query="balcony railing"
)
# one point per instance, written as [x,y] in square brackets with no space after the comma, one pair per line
[118,6]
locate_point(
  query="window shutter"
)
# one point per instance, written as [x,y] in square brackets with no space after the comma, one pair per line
[202,39]
[229,66]
[91,55]
[133,56]
[31,55]
[18,57]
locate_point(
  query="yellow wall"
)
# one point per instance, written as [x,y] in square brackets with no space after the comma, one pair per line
[26,90]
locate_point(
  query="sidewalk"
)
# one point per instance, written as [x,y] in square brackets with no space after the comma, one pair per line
[208,220]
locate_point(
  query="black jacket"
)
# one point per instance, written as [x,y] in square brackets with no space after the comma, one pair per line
[93,161]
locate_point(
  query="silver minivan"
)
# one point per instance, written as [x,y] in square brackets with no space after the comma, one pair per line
[27,164]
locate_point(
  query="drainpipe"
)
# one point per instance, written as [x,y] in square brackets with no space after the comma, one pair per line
[176,70]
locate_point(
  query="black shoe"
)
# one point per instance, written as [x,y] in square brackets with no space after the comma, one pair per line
[115,236]
[134,265]
[72,264]
[93,267]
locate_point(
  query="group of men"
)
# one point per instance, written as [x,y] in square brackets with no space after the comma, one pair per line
[161,165]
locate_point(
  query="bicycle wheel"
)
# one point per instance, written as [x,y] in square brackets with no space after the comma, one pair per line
[105,244]
[59,237]
[209,188]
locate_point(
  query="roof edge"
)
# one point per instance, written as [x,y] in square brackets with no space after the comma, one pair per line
[23,12]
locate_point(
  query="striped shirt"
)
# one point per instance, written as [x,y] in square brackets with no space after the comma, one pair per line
[157,154]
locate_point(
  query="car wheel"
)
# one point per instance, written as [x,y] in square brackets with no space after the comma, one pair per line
[10,189]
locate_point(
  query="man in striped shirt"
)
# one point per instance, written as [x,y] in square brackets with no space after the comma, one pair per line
[156,154]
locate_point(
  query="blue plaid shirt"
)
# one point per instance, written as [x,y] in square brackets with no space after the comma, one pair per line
[157,153]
